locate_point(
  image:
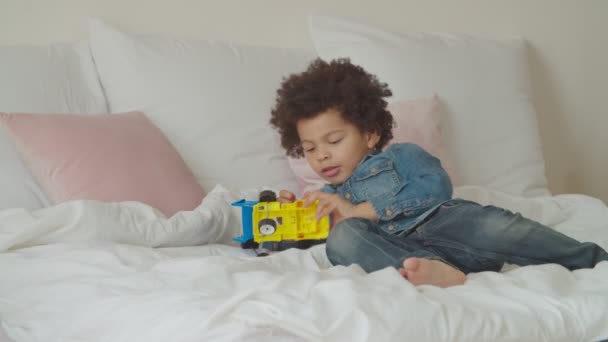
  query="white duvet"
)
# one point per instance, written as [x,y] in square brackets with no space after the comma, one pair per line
[88,271]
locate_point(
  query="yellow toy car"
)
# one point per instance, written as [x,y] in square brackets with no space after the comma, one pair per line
[280,225]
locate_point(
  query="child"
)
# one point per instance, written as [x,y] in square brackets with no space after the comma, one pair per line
[396,205]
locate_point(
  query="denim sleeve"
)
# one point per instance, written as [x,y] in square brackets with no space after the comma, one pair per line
[424,183]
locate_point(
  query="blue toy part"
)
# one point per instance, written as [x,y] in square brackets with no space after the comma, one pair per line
[247,217]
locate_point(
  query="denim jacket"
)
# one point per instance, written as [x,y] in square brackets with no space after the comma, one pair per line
[404,184]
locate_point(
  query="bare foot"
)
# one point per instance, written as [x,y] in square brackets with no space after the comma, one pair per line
[432,272]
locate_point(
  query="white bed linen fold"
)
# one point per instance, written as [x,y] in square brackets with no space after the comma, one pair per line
[87,271]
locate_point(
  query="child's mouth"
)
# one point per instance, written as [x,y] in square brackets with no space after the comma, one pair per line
[331,171]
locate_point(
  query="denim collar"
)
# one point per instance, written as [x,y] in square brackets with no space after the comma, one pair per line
[363,160]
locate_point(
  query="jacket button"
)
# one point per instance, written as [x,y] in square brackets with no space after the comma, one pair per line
[391,227]
[374,170]
[389,212]
[347,196]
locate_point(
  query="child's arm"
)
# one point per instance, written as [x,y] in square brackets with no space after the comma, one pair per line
[341,208]
[422,183]
[363,210]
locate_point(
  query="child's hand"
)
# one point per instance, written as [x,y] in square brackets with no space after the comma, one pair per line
[329,203]
[286,197]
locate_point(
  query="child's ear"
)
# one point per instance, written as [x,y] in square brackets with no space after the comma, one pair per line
[372,139]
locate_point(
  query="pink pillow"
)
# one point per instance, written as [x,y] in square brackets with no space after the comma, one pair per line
[110,158]
[417,121]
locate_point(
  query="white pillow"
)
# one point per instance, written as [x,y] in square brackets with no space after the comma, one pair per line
[212,100]
[59,78]
[490,127]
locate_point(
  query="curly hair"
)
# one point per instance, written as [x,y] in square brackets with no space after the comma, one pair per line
[339,85]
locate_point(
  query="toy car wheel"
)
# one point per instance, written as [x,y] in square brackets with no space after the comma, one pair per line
[267,226]
[249,244]
[268,196]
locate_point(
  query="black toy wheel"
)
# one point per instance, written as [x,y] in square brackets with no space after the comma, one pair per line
[250,244]
[299,244]
[268,196]
[267,226]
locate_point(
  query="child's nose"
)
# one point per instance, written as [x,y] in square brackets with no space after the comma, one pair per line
[323,154]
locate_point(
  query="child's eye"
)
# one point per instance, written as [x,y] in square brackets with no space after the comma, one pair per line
[308,150]
[335,141]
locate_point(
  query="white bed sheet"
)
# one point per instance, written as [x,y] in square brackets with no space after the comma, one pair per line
[87,271]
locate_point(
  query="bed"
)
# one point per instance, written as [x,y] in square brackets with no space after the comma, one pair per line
[123,268]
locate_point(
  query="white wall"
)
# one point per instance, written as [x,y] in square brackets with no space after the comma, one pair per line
[568,38]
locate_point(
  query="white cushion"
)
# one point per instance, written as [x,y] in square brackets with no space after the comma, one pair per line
[490,127]
[212,100]
[59,78]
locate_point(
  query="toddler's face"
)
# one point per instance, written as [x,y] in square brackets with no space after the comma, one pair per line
[333,146]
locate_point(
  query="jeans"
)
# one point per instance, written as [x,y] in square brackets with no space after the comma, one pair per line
[463,234]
